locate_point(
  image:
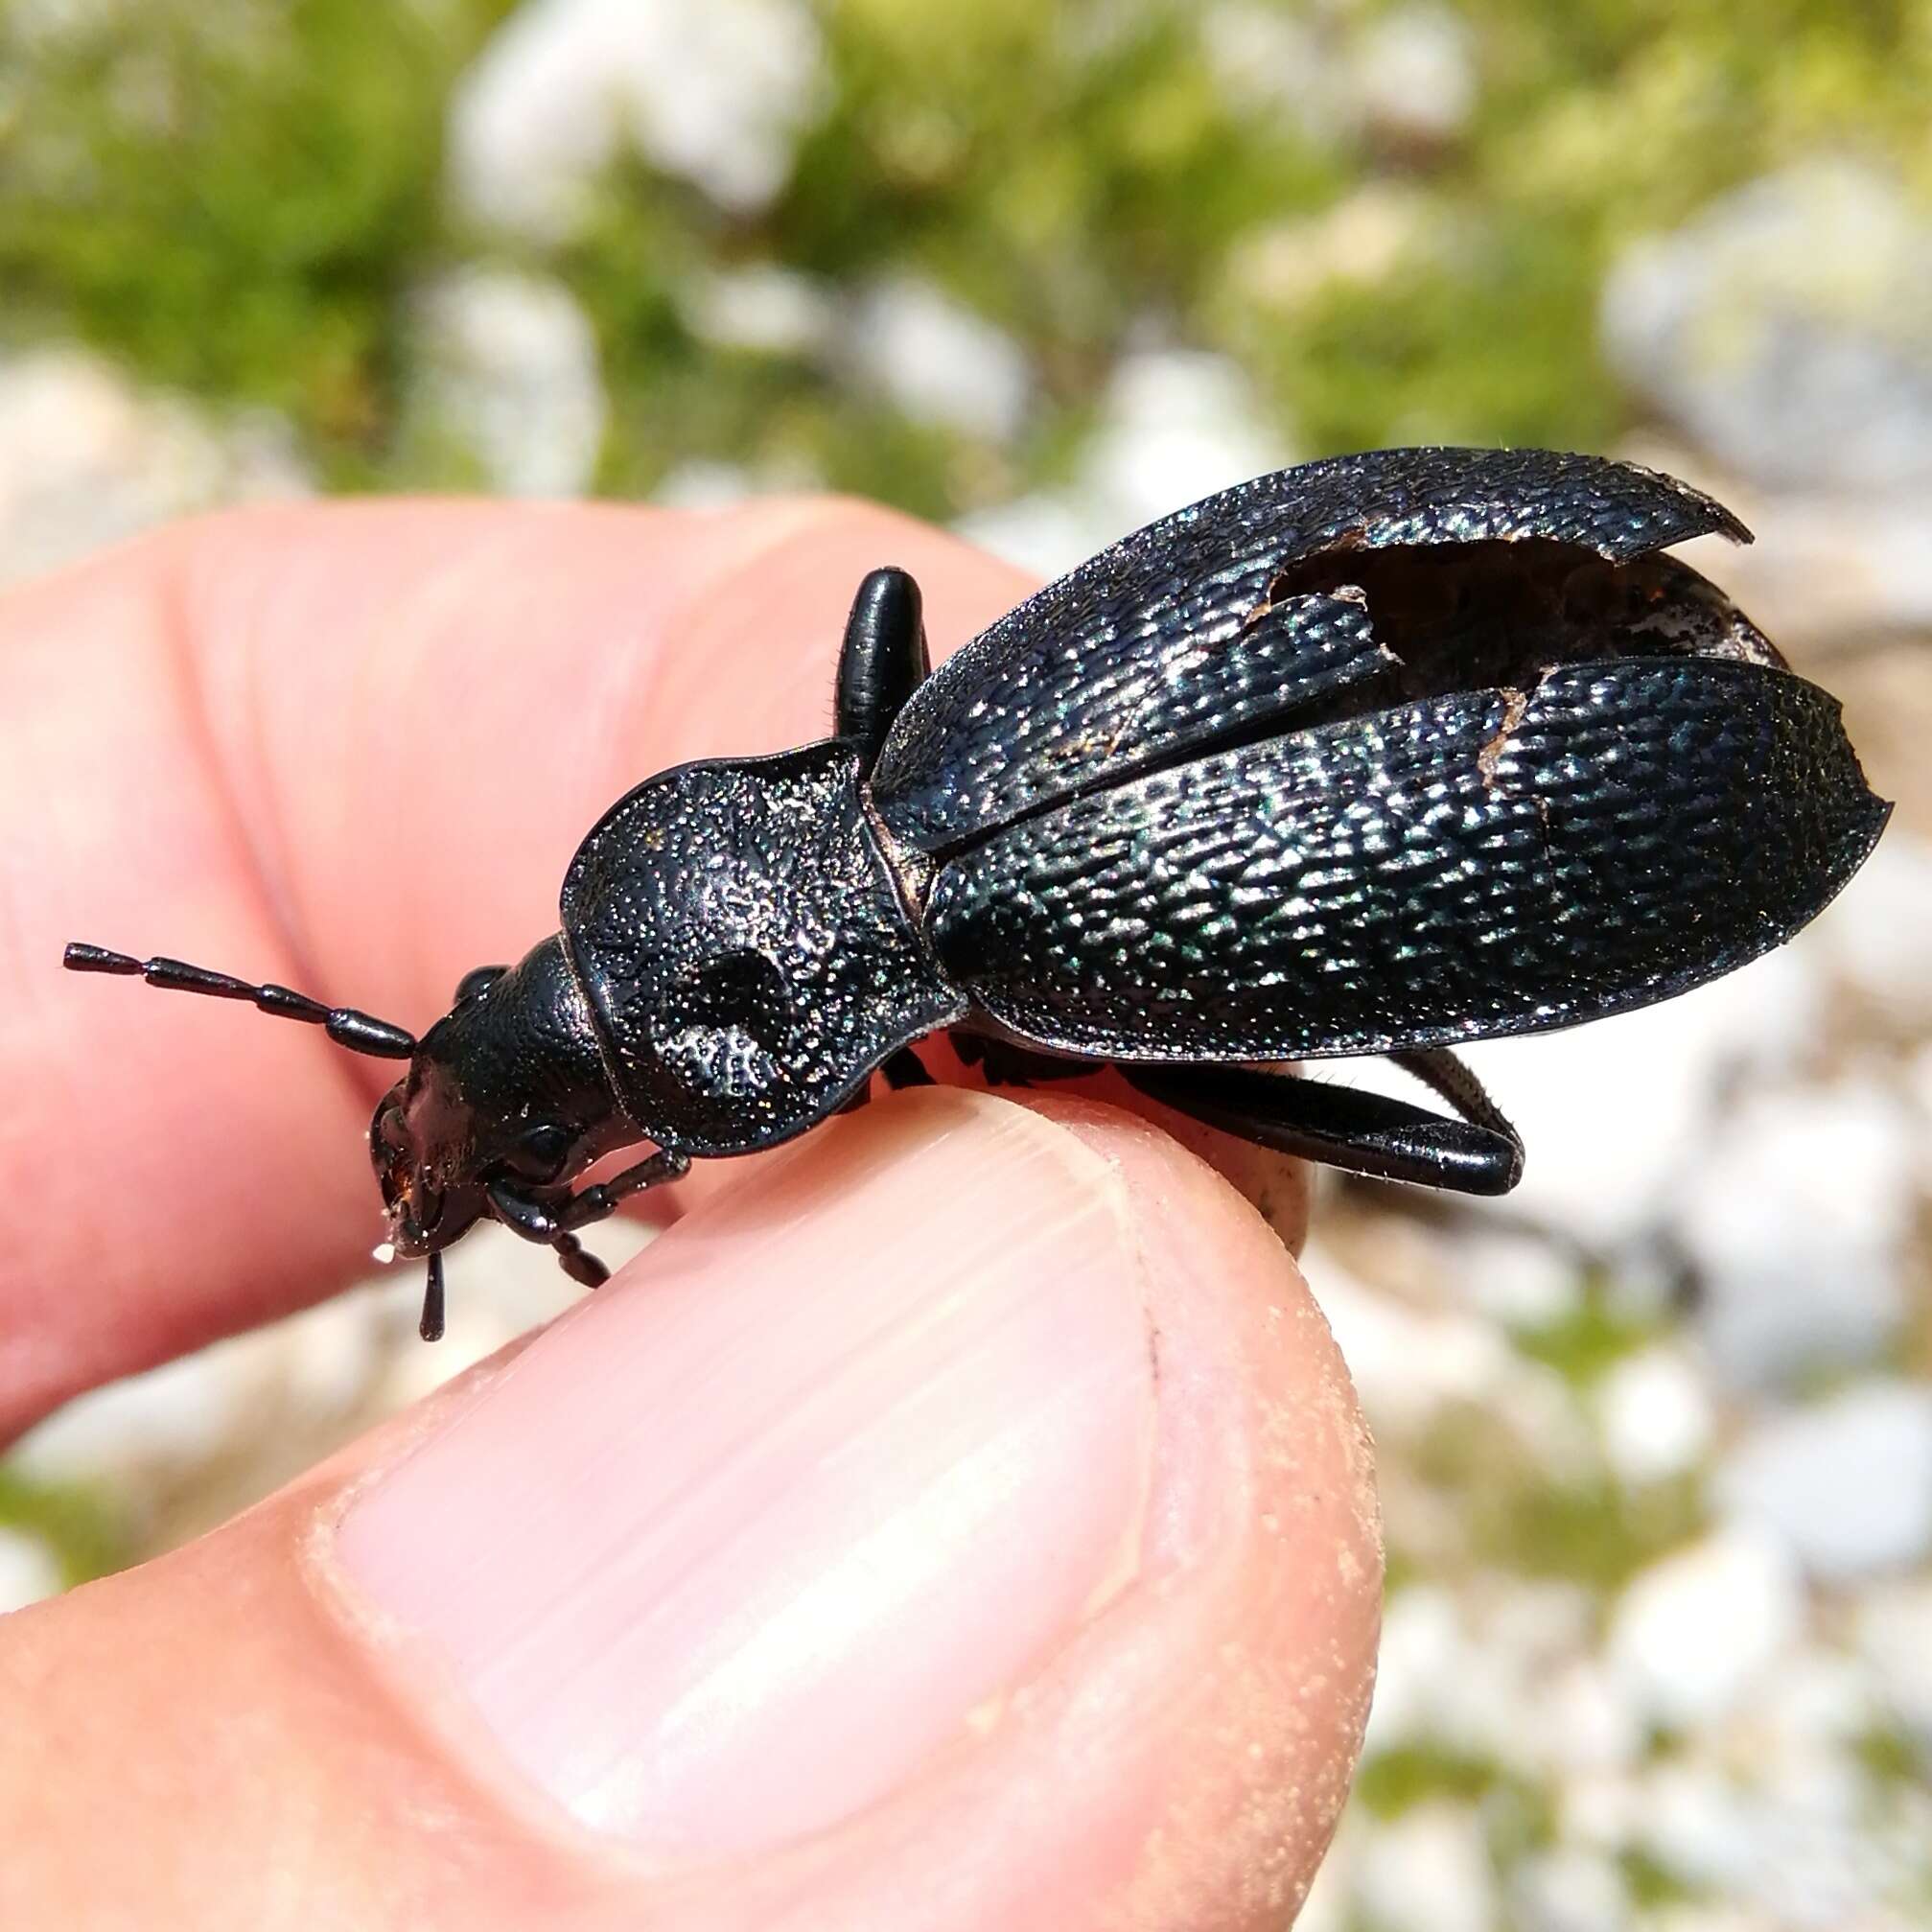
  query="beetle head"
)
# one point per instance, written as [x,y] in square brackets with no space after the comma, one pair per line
[421,1144]
[506,1086]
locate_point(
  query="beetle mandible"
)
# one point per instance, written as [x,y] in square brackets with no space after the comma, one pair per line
[1369,756]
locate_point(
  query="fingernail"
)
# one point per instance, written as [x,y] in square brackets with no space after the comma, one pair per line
[734,1551]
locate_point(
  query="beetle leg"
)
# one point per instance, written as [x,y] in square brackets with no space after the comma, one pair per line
[521,1214]
[593,1204]
[904,1068]
[581,1265]
[524,1214]
[1349,1127]
[882,661]
[1448,1079]
[901,1069]
[1005,1064]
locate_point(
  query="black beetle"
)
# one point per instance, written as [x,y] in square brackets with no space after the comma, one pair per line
[1367,757]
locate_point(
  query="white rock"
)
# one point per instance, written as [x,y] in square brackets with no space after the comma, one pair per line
[1791,1835]
[1428,1871]
[1598,1806]
[1694,1632]
[1406,76]
[1044,532]
[1360,240]
[760,307]
[1415,74]
[1279,64]
[1520,1280]
[1797,1219]
[312,1376]
[171,1418]
[1655,1411]
[938,360]
[1811,1709]
[1423,1646]
[508,365]
[1788,329]
[700,486]
[1406,1361]
[1327,1907]
[1616,1114]
[1893,1631]
[1877,937]
[1177,425]
[1823,568]
[1478,1673]
[86,459]
[27,1572]
[1582,1723]
[1570,1890]
[715,94]
[1409,1363]
[1846,1485]
[1699,1824]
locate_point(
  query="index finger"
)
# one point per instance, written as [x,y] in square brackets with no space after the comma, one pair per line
[350,749]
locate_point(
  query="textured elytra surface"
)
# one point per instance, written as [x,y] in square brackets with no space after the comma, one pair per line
[1462,866]
[1118,662]
[745,955]
[1098,716]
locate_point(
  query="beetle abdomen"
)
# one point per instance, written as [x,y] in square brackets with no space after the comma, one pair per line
[1465,865]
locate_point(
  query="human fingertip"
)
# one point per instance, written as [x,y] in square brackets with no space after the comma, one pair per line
[868,1439]
[965,1441]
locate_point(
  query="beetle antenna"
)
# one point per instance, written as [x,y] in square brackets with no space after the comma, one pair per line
[431,1327]
[358,1032]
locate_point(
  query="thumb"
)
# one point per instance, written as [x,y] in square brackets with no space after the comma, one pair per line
[962,1520]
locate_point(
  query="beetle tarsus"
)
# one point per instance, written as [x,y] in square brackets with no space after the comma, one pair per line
[579,1264]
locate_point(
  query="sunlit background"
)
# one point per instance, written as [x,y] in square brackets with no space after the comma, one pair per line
[1658,1475]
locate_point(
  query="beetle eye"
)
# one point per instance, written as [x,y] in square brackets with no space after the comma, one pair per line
[478,979]
[540,1154]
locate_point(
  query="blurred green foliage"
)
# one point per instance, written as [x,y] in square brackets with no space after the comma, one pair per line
[1515,1512]
[78,1524]
[234,197]
[239,197]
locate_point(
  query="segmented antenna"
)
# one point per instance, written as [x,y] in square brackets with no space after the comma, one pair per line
[358,1032]
[431,1327]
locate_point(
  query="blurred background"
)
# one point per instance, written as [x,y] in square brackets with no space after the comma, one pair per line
[1657,1474]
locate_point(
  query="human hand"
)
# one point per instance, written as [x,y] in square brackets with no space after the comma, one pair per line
[959,1518]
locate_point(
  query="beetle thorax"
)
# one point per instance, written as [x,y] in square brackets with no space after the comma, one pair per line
[743,949]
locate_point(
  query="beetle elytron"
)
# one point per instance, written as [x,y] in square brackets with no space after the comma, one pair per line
[1369,756]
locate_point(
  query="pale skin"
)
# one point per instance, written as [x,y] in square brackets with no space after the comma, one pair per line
[277,743]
